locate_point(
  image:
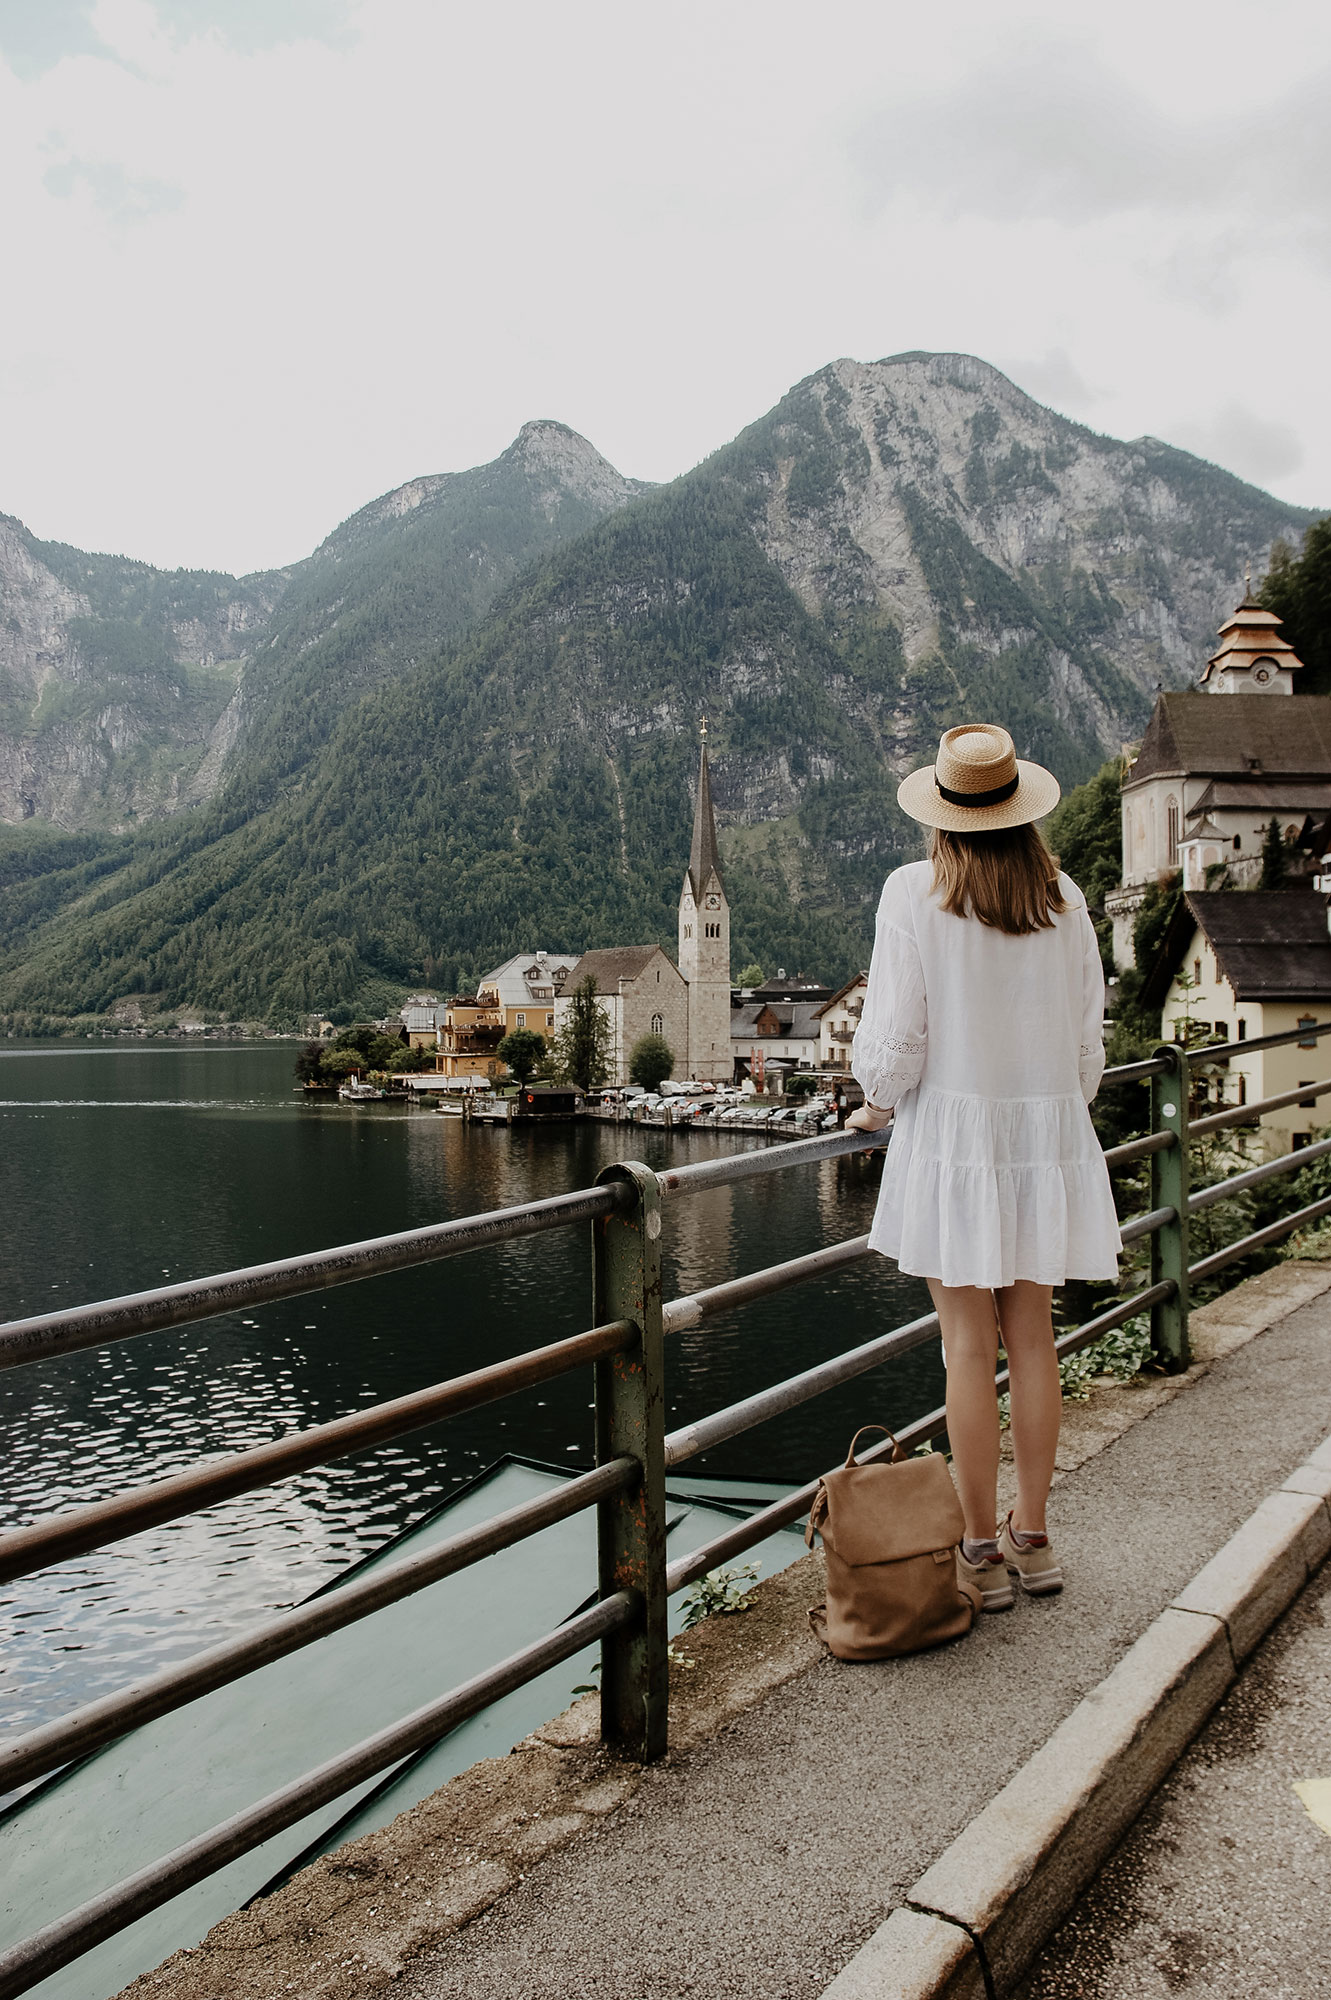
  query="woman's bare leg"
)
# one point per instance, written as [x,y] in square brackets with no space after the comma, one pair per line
[1025,1315]
[970,1335]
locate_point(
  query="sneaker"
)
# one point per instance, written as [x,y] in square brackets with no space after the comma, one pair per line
[990,1580]
[1037,1570]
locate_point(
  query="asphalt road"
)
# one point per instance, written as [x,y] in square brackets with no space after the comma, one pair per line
[757,1865]
[1222,1890]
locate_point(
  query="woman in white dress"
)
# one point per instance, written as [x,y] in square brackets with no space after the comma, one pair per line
[983,1032]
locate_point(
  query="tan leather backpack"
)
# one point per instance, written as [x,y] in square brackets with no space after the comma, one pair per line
[890,1531]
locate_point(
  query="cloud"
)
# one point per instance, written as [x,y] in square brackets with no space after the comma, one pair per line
[248,26]
[1238,438]
[121,196]
[1054,134]
[35,35]
[331,247]
[1055,380]
[34,38]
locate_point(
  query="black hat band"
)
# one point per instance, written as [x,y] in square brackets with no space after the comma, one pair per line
[993,798]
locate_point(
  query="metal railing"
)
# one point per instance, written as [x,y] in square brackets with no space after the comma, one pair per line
[626,1347]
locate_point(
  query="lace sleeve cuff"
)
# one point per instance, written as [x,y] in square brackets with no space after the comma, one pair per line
[887,1067]
[1091,1067]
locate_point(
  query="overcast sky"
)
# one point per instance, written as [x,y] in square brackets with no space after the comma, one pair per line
[264,259]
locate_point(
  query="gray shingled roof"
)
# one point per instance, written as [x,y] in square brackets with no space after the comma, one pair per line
[621,961]
[1271,944]
[1236,736]
[1280,795]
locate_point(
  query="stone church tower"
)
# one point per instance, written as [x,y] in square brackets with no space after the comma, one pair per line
[704,943]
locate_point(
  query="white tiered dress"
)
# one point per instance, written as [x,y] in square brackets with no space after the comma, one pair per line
[990,1047]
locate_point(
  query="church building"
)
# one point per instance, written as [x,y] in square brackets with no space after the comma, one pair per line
[640,992]
[1210,775]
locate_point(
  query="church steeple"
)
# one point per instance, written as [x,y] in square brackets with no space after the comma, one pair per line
[1252,659]
[704,855]
[704,941]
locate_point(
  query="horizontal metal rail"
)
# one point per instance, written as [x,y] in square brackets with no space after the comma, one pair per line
[746,1535]
[76,1327]
[1249,1114]
[60,1536]
[1213,1050]
[86,1729]
[697,1306]
[1271,1234]
[731,1167]
[1287,1163]
[1134,1071]
[70,1936]
[1146,1225]
[1137,1149]
[724,1424]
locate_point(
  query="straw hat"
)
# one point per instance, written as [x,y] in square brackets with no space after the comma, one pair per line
[977,782]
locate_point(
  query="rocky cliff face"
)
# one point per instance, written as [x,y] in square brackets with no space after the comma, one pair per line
[115,680]
[927,494]
[127,693]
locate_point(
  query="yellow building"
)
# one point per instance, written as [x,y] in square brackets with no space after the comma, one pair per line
[470,1031]
[1256,963]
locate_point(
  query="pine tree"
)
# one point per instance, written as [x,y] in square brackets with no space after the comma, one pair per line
[1273,857]
[581,1048]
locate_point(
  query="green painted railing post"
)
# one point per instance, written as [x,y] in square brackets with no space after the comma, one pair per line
[1169,1189]
[630,1422]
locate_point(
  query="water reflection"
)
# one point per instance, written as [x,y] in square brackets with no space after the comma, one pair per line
[122,1168]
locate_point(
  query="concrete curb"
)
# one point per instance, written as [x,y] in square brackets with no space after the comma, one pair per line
[976,1919]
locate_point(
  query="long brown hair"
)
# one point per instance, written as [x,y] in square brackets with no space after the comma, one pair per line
[1006,877]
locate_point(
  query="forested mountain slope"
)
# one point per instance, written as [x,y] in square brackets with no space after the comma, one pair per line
[894,547]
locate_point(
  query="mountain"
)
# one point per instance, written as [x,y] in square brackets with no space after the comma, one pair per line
[128,693]
[116,680]
[894,547]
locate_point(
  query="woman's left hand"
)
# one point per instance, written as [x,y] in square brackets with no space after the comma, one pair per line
[868,1119]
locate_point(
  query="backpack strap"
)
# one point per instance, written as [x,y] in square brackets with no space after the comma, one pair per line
[817,1515]
[897,1452]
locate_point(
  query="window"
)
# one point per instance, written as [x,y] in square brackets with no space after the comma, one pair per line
[1243,1031]
[1243,1088]
[688,930]
[1298,1140]
[1171,832]
[1196,972]
[658,1024]
[658,975]
[1307,1021]
[1307,1103]
[521,1020]
[549,1020]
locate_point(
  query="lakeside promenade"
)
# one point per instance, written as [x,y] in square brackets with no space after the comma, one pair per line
[804,1801]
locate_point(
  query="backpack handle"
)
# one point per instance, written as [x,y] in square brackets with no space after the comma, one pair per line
[896,1448]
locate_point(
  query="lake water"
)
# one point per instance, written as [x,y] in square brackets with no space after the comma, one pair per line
[131,1165]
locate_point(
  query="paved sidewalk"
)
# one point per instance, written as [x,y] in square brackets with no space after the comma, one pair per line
[756,1865]
[1223,1887]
